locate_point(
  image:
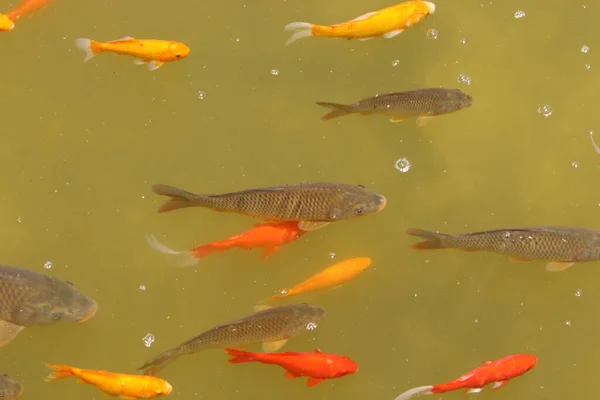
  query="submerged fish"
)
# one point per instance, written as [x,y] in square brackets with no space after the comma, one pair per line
[9,388]
[313,204]
[271,326]
[498,372]
[387,22]
[29,298]
[125,386]
[421,103]
[146,51]
[25,8]
[318,366]
[563,246]
[6,24]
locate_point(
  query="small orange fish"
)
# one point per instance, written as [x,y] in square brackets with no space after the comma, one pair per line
[27,7]
[122,385]
[146,51]
[387,22]
[333,276]
[269,235]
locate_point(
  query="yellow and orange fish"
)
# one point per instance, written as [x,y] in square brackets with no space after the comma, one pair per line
[122,385]
[25,8]
[333,276]
[146,51]
[387,22]
[6,24]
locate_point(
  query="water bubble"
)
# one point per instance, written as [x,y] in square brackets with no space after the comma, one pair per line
[48,264]
[395,63]
[142,287]
[311,326]
[201,95]
[332,255]
[283,291]
[520,14]
[575,164]
[568,323]
[545,110]
[402,164]
[588,66]
[433,33]
[585,48]
[19,219]
[578,292]
[274,72]
[464,79]
[148,340]
[463,41]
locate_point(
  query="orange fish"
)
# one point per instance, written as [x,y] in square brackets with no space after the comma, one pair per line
[27,7]
[122,385]
[498,372]
[387,22]
[318,366]
[152,52]
[333,276]
[269,235]
[6,24]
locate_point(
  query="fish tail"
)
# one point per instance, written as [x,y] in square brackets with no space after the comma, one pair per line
[433,240]
[338,110]
[205,249]
[302,30]
[240,356]
[415,392]
[179,198]
[90,47]
[58,371]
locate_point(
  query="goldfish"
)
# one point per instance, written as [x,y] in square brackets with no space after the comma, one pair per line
[318,366]
[314,205]
[424,104]
[333,276]
[563,246]
[29,298]
[123,385]
[27,7]
[387,22]
[9,388]
[272,326]
[6,24]
[152,52]
[498,372]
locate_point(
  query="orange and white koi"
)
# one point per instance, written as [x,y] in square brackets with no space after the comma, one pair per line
[387,22]
[146,51]
[25,8]
[6,24]
[498,372]
[122,385]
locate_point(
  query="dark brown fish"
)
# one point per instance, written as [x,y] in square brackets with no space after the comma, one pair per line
[421,103]
[563,246]
[272,326]
[312,204]
[29,298]
[9,388]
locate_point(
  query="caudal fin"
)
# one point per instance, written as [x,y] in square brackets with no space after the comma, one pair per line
[303,29]
[415,392]
[58,371]
[205,250]
[433,240]
[240,356]
[88,46]
[179,198]
[338,110]
[174,257]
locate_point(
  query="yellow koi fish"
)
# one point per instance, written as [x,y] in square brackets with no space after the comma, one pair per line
[387,22]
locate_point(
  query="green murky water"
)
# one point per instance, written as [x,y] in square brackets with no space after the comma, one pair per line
[81,145]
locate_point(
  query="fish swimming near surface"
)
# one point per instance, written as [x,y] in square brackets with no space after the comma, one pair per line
[9,388]
[272,326]
[562,246]
[29,298]
[152,52]
[498,372]
[124,386]
[25,8]
[317,366]
[6,24]
[424,104]
[314,205]
[333,276]
[387,22]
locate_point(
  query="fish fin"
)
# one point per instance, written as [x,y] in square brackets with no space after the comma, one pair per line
[473,390]
[391,34]
[179,259]
[313,381]
[269,251]
[261,307]
[317,350]
[58,371]
[178,198]
[139,61]
[8,332]
[291,375]
[302,30]
[423,121]
[486,362]
[415,392]
[397,119]
[90,47]
[272,347]
[434,240]
[498,385]
[558,266]
[338,110]
[154,65]
[364,16]
[122,39]
[364,38]
[240,356]
[311,225]
[430,6]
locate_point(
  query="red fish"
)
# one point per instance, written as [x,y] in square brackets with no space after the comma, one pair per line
[269,235]
[27,7]
[498,372]
[318,366]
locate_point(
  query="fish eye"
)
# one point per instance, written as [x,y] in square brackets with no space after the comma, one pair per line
[177,55]
[56,316]
[358,211]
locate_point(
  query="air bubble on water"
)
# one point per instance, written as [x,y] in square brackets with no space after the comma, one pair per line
[585,48]
[19,219]
[201,94]
[575,164]
[464,79]
[568,323]
[237,39]
[463,41]
[395,63]
[545,110]
[148,340]
[142,287]
[283,291]
[520,14]
[402,164]
[433,33]
[48,264]
[588,66]
[311,326]
[578,292]
[274,72]
[332,255]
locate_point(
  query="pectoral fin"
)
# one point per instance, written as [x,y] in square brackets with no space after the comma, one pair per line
[8,332]
[397,119]
[473,390]
[313,382]
[154,65]
[311,225]
[272,347]
[391,34]
[268,252]
[291,375]
[422,121]
[138,61]
[557,266]
[498,385]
